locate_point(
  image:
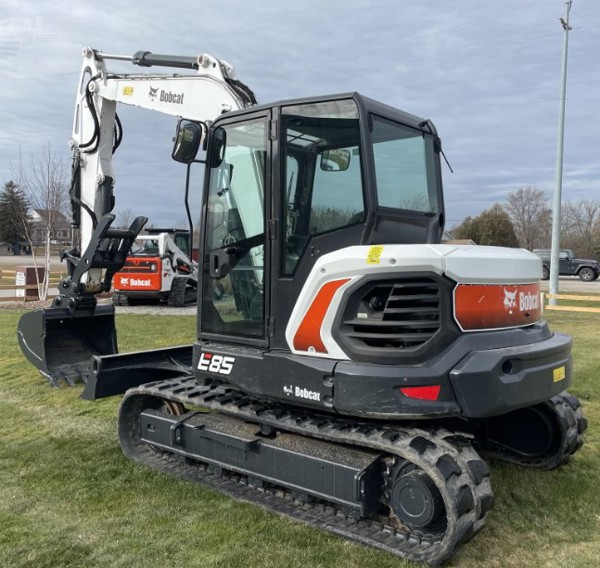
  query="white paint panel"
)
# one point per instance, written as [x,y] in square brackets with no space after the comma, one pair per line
[465,264]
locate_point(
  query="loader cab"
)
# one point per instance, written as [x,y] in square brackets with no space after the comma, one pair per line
[290,182]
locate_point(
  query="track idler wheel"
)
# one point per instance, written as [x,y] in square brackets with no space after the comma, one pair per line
[543,436]
[415,500]
[130,427]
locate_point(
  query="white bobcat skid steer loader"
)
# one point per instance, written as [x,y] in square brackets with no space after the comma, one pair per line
[159,268]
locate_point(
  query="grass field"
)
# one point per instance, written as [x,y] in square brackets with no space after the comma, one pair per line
[69,498]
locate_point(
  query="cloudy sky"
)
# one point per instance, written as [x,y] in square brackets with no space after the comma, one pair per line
[487,73]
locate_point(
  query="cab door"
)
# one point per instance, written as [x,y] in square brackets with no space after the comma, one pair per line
[234,293]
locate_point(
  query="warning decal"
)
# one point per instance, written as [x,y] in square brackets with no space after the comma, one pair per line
[374,254]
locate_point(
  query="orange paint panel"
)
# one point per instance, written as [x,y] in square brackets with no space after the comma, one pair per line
[137,277]
[308,333]
[493,306]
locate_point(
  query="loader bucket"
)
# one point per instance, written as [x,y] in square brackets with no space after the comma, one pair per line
[60,344]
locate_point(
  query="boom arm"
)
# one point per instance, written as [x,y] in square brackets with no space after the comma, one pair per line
[201,96]
[60,340]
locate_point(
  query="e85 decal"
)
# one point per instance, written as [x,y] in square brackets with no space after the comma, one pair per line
[216,363]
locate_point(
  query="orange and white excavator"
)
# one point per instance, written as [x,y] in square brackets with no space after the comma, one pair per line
[356,370]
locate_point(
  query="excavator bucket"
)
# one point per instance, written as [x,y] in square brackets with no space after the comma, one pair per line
[60,343]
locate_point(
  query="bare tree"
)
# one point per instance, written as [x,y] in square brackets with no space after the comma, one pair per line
[45,184]
[124,219]
[580,226]
[531,217]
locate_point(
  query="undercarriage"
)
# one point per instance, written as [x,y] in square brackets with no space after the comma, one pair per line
[417,490]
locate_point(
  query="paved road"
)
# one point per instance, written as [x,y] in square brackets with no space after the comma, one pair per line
[573,284]
[9,261]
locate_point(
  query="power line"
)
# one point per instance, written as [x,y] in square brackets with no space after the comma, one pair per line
[437,61]
[474,21]
[513,30]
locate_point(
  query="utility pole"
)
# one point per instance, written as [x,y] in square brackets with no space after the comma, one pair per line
[556,204]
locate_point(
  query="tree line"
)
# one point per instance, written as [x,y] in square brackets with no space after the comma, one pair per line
[525,220]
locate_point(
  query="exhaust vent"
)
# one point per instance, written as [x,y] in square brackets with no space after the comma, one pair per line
[401,319]
[402,314]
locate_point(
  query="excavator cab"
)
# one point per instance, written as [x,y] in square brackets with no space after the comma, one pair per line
[289,183]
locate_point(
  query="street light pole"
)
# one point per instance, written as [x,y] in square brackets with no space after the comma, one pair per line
[556,204]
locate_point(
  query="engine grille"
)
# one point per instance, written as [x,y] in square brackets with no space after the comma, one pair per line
[139,265]
[401,314]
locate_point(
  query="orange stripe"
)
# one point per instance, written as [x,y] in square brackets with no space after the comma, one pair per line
[308,333]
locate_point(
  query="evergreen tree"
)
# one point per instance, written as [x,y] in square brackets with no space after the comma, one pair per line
[491,227]
[14,217]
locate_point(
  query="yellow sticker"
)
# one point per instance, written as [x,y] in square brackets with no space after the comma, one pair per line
[558,374]
[128,91]
[374,255]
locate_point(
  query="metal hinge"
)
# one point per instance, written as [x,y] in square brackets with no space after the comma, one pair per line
[272,130]
[271,326]
[272,229]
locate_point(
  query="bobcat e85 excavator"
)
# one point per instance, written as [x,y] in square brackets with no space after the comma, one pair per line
[352,370]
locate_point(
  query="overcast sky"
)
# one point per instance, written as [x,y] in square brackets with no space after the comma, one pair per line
[487,74]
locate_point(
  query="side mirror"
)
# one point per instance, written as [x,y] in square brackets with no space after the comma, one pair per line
[187,141]
[335,160]
[218,141]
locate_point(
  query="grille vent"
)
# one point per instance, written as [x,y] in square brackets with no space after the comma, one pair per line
[140,266]
[397,315]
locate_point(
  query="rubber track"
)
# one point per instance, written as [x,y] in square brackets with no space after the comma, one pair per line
[568,413]
[180,295]
[457,470]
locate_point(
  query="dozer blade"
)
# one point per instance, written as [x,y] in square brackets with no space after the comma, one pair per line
[114,374]
[60,343]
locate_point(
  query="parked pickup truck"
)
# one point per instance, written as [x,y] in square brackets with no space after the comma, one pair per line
[587,269]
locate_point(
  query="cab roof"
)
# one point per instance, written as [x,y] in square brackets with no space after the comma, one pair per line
[365,104]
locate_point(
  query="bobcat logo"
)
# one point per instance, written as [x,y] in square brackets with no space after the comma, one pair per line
[153,93]
[510,300]
[124,281]
[288,390]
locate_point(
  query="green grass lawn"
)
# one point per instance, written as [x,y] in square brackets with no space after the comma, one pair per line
[68,496]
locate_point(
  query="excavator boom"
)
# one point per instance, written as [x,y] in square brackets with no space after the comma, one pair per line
[61,340]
